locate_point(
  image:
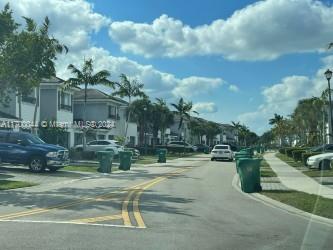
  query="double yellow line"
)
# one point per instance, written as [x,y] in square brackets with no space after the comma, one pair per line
[134,190]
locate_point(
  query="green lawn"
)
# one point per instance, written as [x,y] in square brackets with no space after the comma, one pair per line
[310,172]
[307,202]
[5,184]
[318,173]
[82,168]
[150,159]
[290,161]
[265,170]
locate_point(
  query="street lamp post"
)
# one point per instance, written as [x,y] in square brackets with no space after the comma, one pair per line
[328,75]
[145,129]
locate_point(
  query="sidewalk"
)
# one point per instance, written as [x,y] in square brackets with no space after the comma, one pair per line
[296,180]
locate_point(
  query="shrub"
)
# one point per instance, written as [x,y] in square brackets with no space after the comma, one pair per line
[282,150]
[297,154]
[306,155]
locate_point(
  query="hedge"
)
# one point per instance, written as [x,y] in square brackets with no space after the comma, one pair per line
[306,155]
[297,154]
[289,151]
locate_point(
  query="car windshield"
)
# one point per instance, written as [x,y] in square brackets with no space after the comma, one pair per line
[318,148]
[221,147]
[34,139]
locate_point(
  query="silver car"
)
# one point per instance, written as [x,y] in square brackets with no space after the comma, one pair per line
[101,145]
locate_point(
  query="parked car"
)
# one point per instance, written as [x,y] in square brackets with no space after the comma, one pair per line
[180,145]
[201,147]
[318,161]
[222,152]
[27,149]
[135,153]
[322,148]
[101,145]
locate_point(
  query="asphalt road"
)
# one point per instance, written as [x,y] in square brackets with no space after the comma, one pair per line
[188,204]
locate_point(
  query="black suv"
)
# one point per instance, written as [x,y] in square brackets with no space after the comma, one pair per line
[27,149]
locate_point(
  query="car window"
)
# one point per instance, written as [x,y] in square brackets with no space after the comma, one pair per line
[329,147]
[221,147]
[103,143]
[3,137]
[15,138]
[92,143]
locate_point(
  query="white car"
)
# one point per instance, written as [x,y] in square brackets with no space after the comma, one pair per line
[222,152]
[316,161]
[101,145]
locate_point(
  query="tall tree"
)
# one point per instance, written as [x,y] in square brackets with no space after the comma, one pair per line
[161,118]
[87,77]
[183,110]
[7,30]
[130,89]
[212,129]
[141,110]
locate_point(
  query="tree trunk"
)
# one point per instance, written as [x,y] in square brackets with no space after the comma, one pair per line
[127,120]
[34,129]
[85,118]
[19,98]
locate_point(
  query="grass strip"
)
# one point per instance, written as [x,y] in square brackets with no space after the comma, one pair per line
[265,169]
[90,169]
[5,184]
[307,202]
[289,161]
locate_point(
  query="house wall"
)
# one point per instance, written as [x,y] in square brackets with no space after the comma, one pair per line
[48,104]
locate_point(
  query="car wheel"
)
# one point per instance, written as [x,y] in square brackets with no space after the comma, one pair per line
[212,159]
[37,164]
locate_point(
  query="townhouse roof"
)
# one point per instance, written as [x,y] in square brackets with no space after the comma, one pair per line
[95,94]
[53,79]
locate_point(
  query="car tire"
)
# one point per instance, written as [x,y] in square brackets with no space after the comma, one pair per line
[212,159]
[37,164]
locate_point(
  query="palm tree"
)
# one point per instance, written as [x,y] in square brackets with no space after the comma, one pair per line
[86,77]
[183,110]
[161,118]
[276,119]
[129,89]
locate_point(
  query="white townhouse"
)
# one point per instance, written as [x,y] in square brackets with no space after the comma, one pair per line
[102,108]
[56,105]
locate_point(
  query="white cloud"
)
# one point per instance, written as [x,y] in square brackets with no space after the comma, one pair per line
[157,83]
[233,88]
[282,98]
[205,107]
[72,21]
[262,31]
[192,86]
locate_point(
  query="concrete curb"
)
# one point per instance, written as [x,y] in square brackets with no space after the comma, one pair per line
[281,206]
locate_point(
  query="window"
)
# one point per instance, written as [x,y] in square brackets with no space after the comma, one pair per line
[29,97]
[111,137]
[3,137]
[92,143]
[64,101]
[103,143]
[101,137]
[132,140]
[113,112]
[15,138]
[221,147]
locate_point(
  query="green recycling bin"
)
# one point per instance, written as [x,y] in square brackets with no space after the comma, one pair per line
[161,155]
[125,158]
[105,161]
[206,150]
[249,173]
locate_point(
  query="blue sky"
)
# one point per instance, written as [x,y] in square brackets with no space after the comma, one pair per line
[235,60]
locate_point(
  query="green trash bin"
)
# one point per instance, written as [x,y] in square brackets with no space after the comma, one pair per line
[206,150]
[249,173]
[125,158]
[105,161]
[162,155]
